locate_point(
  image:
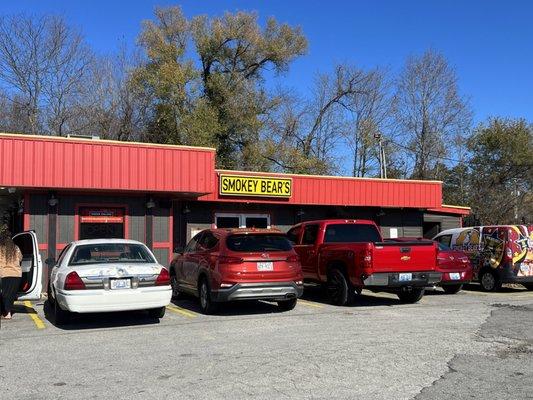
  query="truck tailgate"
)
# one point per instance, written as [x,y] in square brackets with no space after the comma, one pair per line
[404,257]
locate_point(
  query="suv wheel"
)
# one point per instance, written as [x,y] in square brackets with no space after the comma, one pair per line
[452,289]
[490,281]
[339,289]
[174,285]
[287,305]
[207,305]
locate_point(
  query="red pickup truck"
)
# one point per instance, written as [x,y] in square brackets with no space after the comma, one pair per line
[349,255]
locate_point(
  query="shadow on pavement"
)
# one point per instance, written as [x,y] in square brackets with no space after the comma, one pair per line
[22,309]
[251,307]
[101,320]
[366,299]
[507,288]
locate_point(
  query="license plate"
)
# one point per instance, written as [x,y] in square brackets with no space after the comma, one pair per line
[455,276]
[265,266]
[120,284]
[405,277]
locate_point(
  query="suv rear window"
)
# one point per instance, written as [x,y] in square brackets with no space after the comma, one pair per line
[351,233]
[257,243]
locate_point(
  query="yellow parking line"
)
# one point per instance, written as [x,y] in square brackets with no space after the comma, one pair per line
[182,311]
[34,316]
[309,304]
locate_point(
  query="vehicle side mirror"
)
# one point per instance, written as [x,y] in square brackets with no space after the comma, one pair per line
[179,249]
[50,262]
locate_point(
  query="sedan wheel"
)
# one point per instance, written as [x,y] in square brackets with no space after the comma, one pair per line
[61,316]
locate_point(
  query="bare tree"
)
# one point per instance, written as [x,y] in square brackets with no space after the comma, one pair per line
[370,110]
[429,111]
[43,62]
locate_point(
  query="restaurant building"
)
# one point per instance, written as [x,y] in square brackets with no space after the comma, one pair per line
[77,188]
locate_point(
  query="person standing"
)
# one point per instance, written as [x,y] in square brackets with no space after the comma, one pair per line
[10,272]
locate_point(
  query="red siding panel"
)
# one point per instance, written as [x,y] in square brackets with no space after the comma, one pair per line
[318,190]
[61,163]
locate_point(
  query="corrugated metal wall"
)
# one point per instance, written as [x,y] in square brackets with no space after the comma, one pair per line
[62,163]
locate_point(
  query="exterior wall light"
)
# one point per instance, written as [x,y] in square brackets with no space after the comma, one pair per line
[186,209]
[300,213]
[11,190]
[52,201]
[150,203]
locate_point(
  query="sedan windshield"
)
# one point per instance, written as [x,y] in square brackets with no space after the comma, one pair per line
[257,243]
[102,253]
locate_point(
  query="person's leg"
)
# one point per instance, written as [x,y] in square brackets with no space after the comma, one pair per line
[10,288]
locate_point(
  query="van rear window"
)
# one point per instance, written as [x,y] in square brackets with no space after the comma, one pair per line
[258,243]
[351,233]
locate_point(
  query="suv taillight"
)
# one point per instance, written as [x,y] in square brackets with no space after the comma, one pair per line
[74,282]
[293,258]
[163,279]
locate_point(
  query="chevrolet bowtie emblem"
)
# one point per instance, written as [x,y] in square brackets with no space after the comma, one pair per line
[405,258]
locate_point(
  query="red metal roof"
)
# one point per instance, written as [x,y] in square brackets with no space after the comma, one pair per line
[344,191]
[65,163]
[446,209]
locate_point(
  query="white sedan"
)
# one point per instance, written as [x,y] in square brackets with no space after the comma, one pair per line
[104,275]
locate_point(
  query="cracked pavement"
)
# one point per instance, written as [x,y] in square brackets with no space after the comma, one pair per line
[471,345]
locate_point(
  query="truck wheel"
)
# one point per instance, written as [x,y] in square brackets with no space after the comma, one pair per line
[410,296]
[339,289]
[452,289]
[207,305]
[287,305]
[490,281]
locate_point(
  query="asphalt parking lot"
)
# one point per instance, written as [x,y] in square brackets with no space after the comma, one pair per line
[472,345]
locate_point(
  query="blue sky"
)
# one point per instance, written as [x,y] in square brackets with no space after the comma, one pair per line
[490,43]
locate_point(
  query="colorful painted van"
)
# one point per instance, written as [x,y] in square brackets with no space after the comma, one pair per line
[499,253]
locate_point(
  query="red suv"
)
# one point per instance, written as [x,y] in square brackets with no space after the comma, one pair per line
[220,265]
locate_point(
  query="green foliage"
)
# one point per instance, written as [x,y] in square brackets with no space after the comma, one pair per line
[501,172]
[213,96]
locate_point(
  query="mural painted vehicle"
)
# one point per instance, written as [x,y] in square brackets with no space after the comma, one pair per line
[222,265]
[499,253]
[105,275]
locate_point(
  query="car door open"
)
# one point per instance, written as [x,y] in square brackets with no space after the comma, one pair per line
[32,266]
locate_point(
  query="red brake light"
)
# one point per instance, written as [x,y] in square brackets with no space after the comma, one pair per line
[163,279]
[293,258]
[74,282]
[230,260]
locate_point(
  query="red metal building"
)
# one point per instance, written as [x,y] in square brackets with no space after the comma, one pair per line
[73,188]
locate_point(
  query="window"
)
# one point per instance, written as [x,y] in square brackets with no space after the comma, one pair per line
[258,243]
[227,220]
[351,233]
[62,254]
[104,253]
[293,234]
[207,242]
[310,234]
[193,243]
[445,240]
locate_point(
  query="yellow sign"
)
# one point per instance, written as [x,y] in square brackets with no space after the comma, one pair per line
[235,185]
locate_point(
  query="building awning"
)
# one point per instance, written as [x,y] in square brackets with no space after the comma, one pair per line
[50,162]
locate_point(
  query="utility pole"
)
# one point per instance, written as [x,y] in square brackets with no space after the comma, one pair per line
[382,159]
